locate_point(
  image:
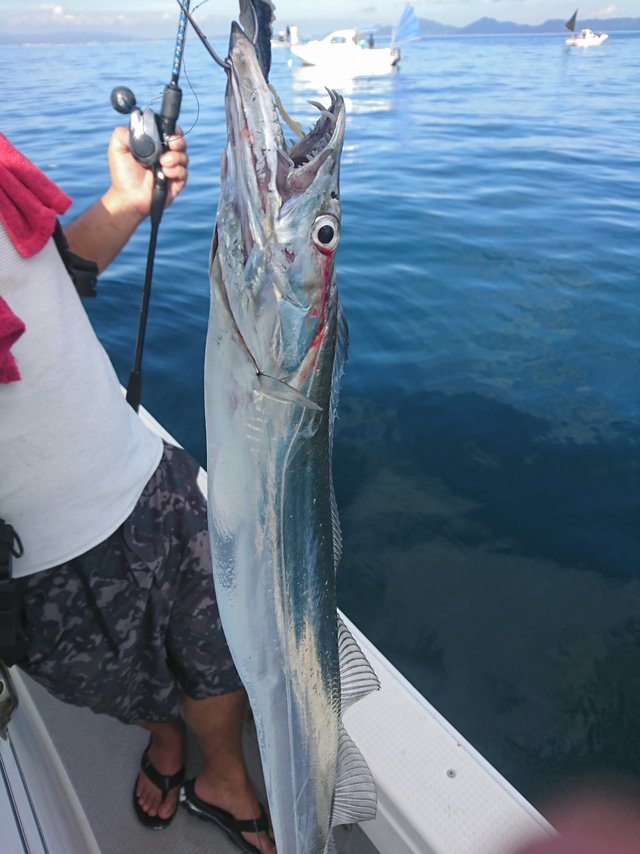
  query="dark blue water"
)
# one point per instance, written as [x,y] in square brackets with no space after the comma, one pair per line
[486,455]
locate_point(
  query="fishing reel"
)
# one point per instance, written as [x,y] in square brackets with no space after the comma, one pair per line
[144,132]
[148,131]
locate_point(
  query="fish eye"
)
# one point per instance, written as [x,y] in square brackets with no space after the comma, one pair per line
[326,232]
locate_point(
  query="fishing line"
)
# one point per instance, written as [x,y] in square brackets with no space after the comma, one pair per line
[195,95]
[205,41]
[184,133]
[195,8]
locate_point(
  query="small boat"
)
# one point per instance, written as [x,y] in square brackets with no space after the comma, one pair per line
[285,38]
[349,51]
[585,38]
[342,49]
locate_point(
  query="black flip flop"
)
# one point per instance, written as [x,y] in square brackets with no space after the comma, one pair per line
[163,782]
[233,827]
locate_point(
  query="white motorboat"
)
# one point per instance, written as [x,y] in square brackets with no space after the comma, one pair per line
[66,777]
[353,52]
[586,38]
[342,49]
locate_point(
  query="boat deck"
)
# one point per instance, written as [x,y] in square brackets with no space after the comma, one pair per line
[101,757]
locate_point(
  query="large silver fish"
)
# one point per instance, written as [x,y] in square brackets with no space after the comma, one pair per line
[275,352]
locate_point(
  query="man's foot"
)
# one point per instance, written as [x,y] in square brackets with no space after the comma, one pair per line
[239,814]
[155,795]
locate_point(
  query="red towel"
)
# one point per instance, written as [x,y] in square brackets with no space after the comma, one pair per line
[11,328]
[29,206]
[29,202]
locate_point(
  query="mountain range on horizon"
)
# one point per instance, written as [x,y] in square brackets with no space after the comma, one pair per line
[482,26]
[491,26]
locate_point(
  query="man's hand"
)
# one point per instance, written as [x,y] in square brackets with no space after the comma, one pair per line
[101,231]
[132,183]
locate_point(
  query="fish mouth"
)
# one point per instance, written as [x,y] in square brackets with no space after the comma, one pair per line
[272,172]
[322,137]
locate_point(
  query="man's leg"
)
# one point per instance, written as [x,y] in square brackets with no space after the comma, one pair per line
[166,754]
[224,782]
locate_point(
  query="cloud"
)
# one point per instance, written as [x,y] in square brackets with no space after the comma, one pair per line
[60,16]
[610,11]
[448,4]
[49,13]
[59,19]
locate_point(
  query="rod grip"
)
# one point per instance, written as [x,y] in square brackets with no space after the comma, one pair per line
[171,102]
[134,389]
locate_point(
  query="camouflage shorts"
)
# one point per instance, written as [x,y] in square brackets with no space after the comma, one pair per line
[127,626]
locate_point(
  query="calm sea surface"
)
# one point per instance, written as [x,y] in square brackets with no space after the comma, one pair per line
[486,455]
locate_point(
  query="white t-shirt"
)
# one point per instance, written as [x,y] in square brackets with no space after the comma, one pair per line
[74,456]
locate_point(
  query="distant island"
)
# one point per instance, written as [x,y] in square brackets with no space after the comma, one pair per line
[428,28]
[492,27]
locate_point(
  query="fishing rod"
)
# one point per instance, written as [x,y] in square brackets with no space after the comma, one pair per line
[149,135]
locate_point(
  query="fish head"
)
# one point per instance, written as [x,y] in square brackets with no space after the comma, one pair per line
[278,223]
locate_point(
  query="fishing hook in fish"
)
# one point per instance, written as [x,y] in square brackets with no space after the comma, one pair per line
[223,63]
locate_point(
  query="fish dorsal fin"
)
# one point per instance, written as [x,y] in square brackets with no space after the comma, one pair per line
[331,845]
[284,393]
[354,798]
[336,529]
[342,346]
[357,676]
[339,361]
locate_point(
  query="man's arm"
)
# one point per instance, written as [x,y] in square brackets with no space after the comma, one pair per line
[101,232]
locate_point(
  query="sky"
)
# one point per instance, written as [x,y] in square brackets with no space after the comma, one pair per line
[157,18]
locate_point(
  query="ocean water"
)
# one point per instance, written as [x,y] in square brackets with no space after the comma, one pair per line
[486,454]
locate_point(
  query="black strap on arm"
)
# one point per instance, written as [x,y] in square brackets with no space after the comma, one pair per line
[12,641]
[84,274]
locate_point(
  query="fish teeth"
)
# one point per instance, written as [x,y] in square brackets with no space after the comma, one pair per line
[318,144]
[325,112]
